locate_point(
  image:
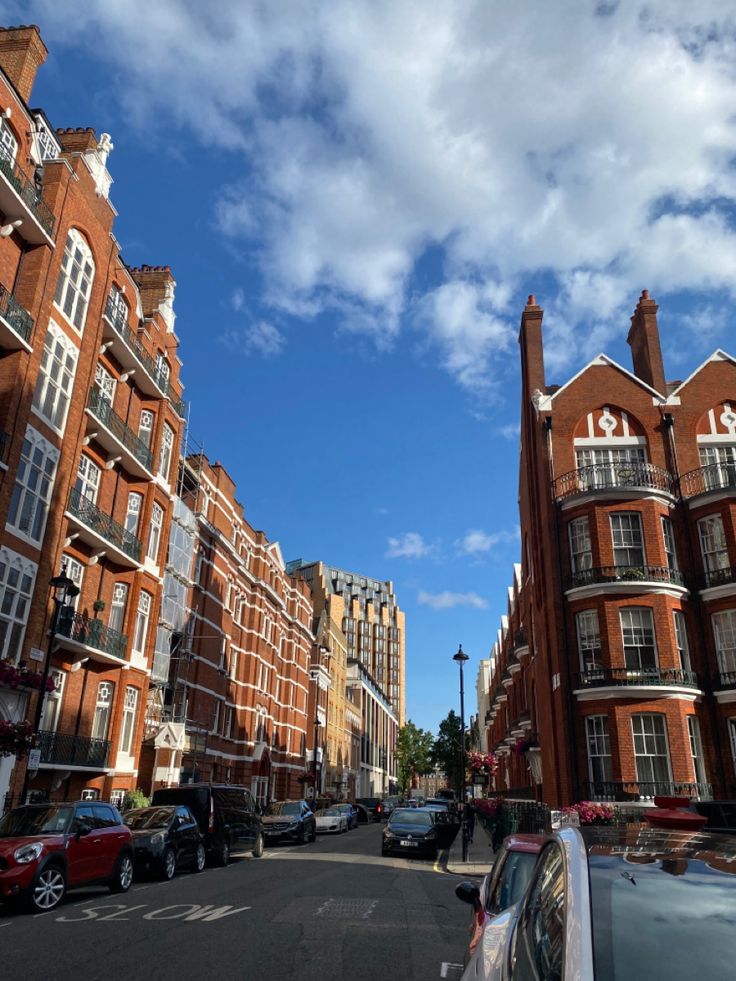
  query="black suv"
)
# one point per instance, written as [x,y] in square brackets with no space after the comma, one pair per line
[290,820]
[370,806]
[227,817]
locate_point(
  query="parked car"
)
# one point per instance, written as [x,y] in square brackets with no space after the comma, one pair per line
[290,820]
[445,823]
[46,849]
[350,812]
[410,831]
[616,904]
[165,839]
[227,817]
[330,819]
[504,886]
[372,808]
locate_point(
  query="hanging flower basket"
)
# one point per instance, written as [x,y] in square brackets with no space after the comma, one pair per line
[591,812]
[488,806]
[23,677]
[522,746]
[483,763]
[16,738]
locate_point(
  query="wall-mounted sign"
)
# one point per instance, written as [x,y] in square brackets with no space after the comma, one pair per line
[35,654]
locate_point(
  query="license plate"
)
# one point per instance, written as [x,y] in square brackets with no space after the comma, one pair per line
[409,844]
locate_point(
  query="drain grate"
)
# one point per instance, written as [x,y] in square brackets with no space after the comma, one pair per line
[346,909]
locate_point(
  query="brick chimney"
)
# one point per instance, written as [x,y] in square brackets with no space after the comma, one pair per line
[157,285]
[78,140]
[643,339]
[532,353]
[22,52]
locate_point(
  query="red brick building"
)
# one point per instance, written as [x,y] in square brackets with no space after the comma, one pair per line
[91,415]
[614,673]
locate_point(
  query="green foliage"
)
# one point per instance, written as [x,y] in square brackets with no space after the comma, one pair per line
[135,798]
[446,750]
[413,754]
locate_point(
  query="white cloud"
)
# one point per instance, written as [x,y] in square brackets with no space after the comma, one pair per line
[261,338]
[511,430]
[587,147]
[410,545]
[476,541]
[448,600]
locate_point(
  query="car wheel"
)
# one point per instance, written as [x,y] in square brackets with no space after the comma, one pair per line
[122,877]
[259,846]
[168,865]
[223,853]
[48,889]
[301,837]
[200,858]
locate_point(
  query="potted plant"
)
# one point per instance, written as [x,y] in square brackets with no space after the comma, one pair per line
[16,738]
[98,606]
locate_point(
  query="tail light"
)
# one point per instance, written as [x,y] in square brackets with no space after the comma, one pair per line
[378,809]
[211,824]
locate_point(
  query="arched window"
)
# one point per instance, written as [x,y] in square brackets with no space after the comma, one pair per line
[75,279]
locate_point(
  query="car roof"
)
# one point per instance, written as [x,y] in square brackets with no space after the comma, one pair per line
[531,844]
[669,844]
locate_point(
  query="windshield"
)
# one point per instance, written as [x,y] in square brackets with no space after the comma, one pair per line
[411,816]
[149,817]
[287,807]
[48,820]
[657,917]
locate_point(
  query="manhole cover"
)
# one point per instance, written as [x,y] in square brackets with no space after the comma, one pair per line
[346,909]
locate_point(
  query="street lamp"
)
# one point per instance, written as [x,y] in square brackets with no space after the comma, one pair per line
[324,652]
[62,590]
[460,658]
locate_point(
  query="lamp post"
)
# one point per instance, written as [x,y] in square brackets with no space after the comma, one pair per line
[323,652]
[62,590]
[460,658]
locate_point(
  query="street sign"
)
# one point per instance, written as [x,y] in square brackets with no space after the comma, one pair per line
[309,792]
[35,654]
[34,759]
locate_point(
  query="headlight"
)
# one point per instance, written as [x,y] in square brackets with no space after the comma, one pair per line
[158,838]
[294,824]
[431,834]
[389,834]
[28,853]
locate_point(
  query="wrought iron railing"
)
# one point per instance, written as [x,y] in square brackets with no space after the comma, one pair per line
[179,406]
[26,189]
[116,317]
[718,577]
[14,314]
[608,476]
[69,750]
[602,677]
[92,633]
[625,573]
[725,679]
[642,790]
[103,411]
[713,477]
[103,524]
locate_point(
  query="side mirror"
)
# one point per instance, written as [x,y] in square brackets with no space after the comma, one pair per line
[81,828]
[468,893]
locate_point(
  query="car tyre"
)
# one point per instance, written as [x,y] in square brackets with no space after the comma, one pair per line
[122,877]
[301,837]
[168,865]
[223,854]
[48,889]
[259,846]
[200,858]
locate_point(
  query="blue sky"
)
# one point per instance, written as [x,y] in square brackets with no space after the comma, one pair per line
[356,198]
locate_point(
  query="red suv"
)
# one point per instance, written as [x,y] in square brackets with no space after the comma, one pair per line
[46,849]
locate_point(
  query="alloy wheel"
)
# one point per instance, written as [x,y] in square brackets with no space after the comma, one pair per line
[125,873]
[169,865]
[259,846]
[200,858]
[49,889]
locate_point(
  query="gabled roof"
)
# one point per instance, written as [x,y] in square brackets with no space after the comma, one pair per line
[545,402]
[275,549]
[718,355]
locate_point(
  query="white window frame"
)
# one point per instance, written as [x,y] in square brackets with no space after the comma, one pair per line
[52,703]
[167,452]
[74,285]
[647,741]
[598,744]
[87,483]
[721,459]
[120,307]
[696,750]
[8,143]
[581,547]
[587,629]
[637,624]
[154,533]
[626,528]
[133,512]
[30,500]
[75,570]
[142,622]
[609,464]
[117,797]
[670,545]
[713,544]
[17,581]
[681,639]
[106,383]
[55,379]
[724,633]
[146,423]
[103,709]
[130,708]
[120,590]
[163,371]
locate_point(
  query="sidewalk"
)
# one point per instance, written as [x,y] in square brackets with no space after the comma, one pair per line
[480,855]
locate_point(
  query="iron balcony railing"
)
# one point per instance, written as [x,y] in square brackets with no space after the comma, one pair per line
[103,524]
[718,577]
[92,633]
[68,750]
[603,677]
[14,314]
[26,189]
[608,476]
[625,573]
[117,318]
[179,406]
[638,790]
[103,411]
[713,477]
[725,680]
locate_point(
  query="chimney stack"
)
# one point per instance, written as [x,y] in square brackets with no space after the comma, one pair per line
[643,339]
[22,52]
[532,353]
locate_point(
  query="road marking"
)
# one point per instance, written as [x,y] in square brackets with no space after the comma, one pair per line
[4,924]
[370,909]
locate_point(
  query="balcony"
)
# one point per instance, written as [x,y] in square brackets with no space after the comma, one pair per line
[717,480]
[724,686]
[101,531]
[718,582]
[613,480]
[642,791]
[179,406]
[16,323]
[116,437]
[91,638]
[60,750]
[124,343]
[20,198]
[521,643]
[651,682]
[625,579]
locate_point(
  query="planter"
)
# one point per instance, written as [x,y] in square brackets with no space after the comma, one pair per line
[16,738]
[23,677]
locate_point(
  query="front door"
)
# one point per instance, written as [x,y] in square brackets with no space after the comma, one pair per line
[82,851]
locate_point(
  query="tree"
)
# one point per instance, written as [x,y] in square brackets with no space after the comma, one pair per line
[413,754]
[446,750]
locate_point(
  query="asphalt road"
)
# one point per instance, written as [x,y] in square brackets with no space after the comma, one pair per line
[329,911]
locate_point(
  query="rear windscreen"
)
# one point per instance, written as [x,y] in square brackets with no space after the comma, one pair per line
[195,798]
